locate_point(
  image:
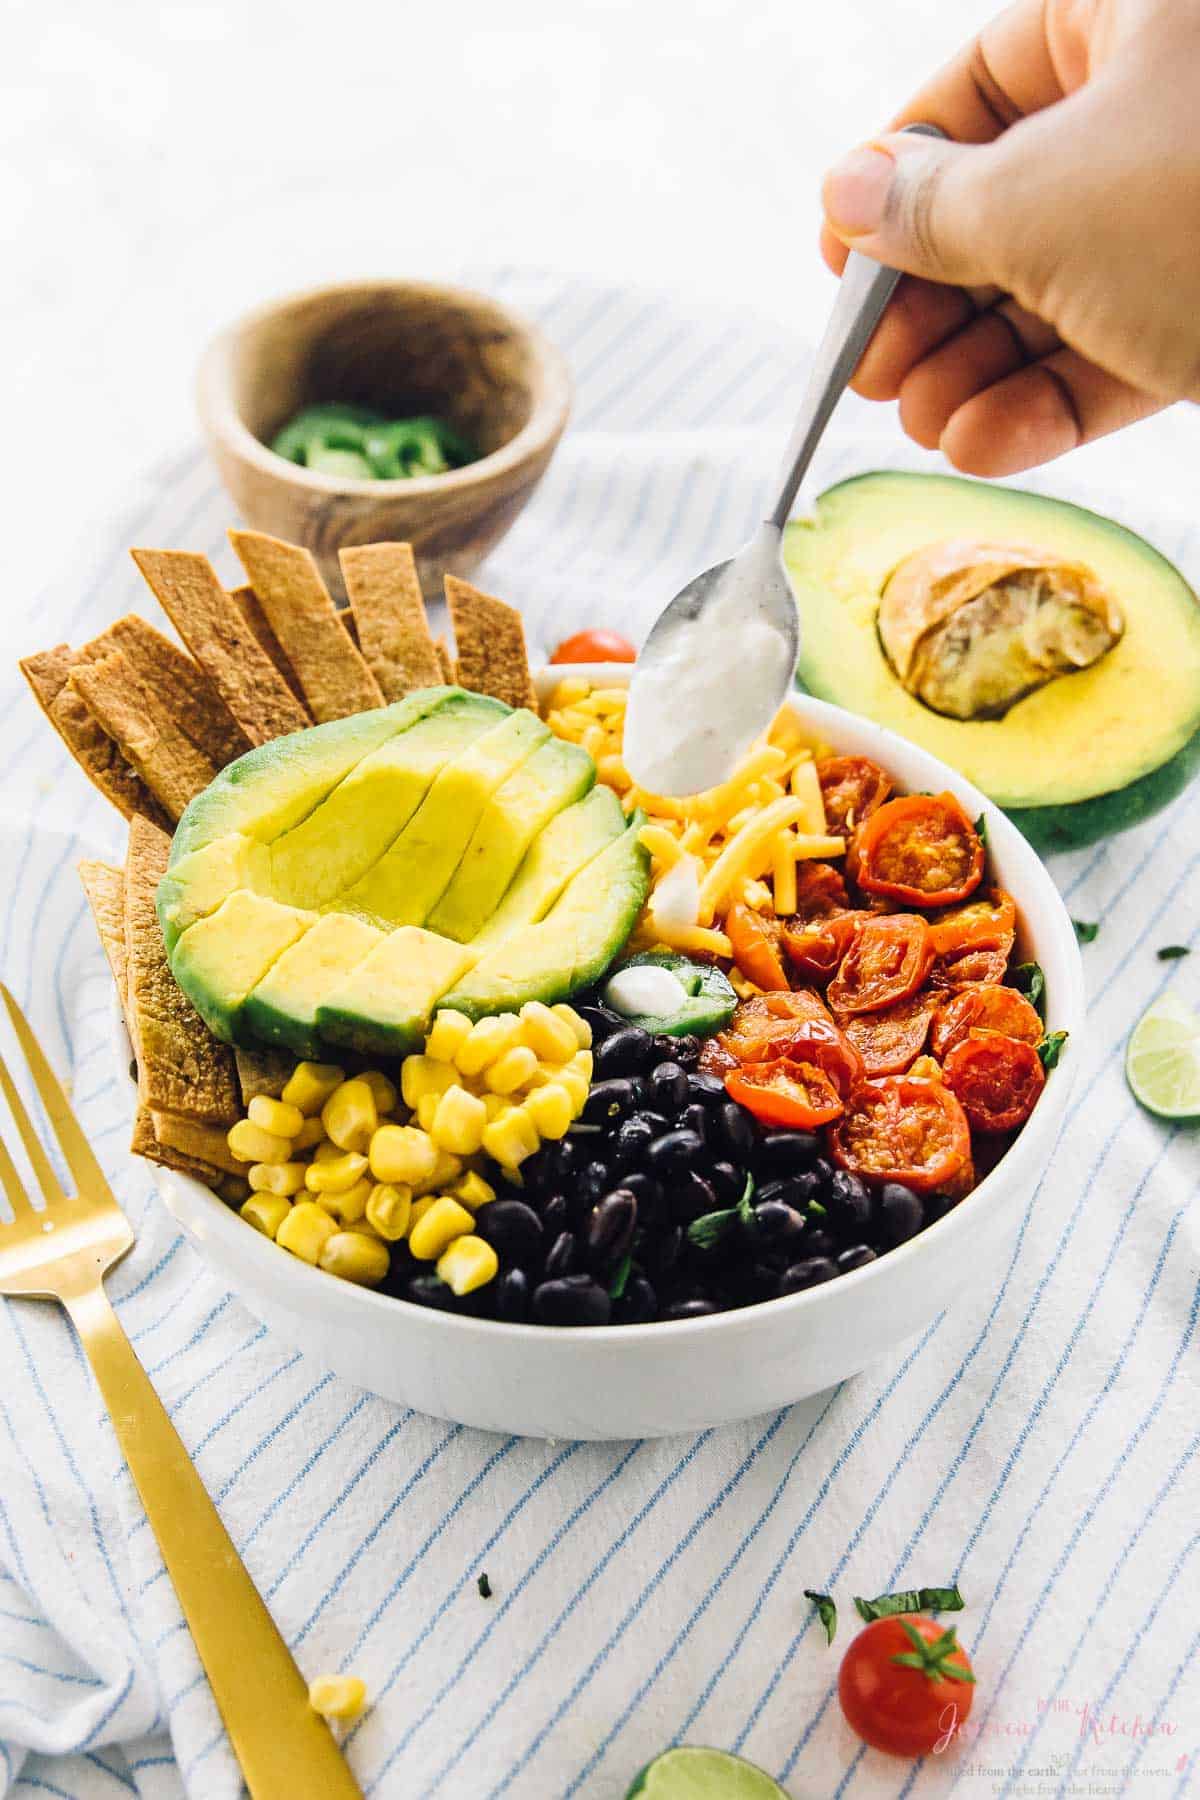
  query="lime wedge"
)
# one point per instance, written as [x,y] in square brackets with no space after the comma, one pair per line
[691,1773]
[1162,1062]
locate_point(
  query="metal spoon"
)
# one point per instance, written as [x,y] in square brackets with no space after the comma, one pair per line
[689,716]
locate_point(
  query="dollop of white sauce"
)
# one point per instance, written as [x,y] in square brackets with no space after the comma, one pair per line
[647,990]
[675,901]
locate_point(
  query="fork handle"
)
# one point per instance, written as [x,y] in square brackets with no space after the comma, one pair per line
[286,1750]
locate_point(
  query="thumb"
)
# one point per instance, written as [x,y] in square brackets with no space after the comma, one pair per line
[921,205]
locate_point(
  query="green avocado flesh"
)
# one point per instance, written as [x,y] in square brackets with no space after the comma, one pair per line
[332,887]
[1090,753]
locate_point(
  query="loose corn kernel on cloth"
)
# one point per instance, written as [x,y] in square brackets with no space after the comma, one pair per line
[1037,1444]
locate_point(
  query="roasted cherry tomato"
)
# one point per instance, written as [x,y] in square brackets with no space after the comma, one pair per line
[595,647]
[817,948]
[997,1079]
[984,1006]
[797,1096]
[987,924]
[959,967]
[829,1048]
[898,1128]
[852,787]
[890,1041]
[888,959]
[820,891]
[921,848]
[767,1019]
[906,1685]
[756,943]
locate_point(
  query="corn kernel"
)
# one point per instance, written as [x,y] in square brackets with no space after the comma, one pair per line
[583,1063]
[489,1039]
[348,1207]
[496,1105]
[335,1174]
[570,691]
[266,1212]
[337,1696]
[383,1089]
[511,1138]
[401,1153]
[446,1170]
[327,1152]
[276,1116]
[349,1115]
[444,1221]
[421,1075]
[549,1037]
[355,1258]
[251,1144]
[472,1191]
[310,1085]
[449,1031]
[389,1210]
[305,1230]
[310,1134]
[419,1209]
[511,1071]
[458,1122]
[276,1178]
[427,1111]
[551,1108]
[576,1085]
[468,1263]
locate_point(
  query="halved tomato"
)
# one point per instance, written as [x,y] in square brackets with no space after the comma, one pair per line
[797,1096]
[900,1129]
[921,848]
[890,1041]
[984,1006]
[767,1019]
[987,924]
[816,948]
[815,1041]
[997,1079]
[852,787]
[756,945]
[820,891]
[960,967]
[887,960]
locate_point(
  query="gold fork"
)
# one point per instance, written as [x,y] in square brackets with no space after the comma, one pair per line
[287,1752]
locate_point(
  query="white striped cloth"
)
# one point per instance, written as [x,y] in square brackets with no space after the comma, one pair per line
[1037,1444]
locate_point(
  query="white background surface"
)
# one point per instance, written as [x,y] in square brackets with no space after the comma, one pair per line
[164,166]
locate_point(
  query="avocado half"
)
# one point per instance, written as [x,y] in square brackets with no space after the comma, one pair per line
[1089,754]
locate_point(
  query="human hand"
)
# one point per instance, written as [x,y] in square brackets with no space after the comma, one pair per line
[1052,251]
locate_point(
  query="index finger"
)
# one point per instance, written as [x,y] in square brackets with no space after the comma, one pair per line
[1003,74]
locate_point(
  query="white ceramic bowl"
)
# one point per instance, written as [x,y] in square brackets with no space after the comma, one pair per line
[652,1380]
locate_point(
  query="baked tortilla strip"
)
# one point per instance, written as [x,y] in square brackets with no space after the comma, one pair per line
[198,1139]
[346,615]
[172,676]
[48,675]
[335,679]
[246,601]
[104,886]
[182,1068]
[167,761]
[491,645]
[262,1072]
[219,638]
[389,613]
[144,1143]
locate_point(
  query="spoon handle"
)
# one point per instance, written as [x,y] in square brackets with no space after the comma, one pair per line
[865,289]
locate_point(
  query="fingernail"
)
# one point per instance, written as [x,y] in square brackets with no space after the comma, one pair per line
[856,191]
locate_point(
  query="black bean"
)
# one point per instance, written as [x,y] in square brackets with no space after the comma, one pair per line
[786,1153]
[661,1252]
[690,1196]
[638,1304]
[688,1309]
[823,1170]
[848,1200]
[554,1215]
[856,1257]
[512,1229]
[593,1181]
[430,1290]
[573,1300]
[817,1240]
[695,1118]
[900,1212]
[937,1206]
[609,1101]
[667,1087]
[557,1163]
[659,1120]
[562,1258]
[806,1274]
[602,1020]
[671,1155]
[625,1052]
[610,1227]
[728,1182]
[627,1149]
[793,1190]
[777,1225]
[763,1281]
[734,1130]
[512,1295]
[707,1088]
[647,1192]
[685,1049]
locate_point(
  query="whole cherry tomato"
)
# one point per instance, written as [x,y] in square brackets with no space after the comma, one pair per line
[595,647]
[984,1006]
[899,1128]
[888,959]
[852,787]
[906,1685]
[756,942]
[997,1079]
[921,848]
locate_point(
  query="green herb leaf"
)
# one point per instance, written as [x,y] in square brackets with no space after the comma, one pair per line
[620,1280]
[943,1599]
[981,829]
[1051,1048]
[1028,979]
[826,1611]
[484,1586]
[1172,952]
[1085,930]
[910,1600]
[710,1229]
[816,1210]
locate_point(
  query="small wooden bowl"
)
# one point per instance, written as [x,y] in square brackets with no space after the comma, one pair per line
[403,347]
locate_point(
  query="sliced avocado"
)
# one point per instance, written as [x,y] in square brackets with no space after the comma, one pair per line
[566,846]
[219,959]
[351,828]
[520,808]
[273,787]
[710,1003]
[282,1008]
[383,1006]
[572,945]
[196,884]
[1088,754]
[405,885]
